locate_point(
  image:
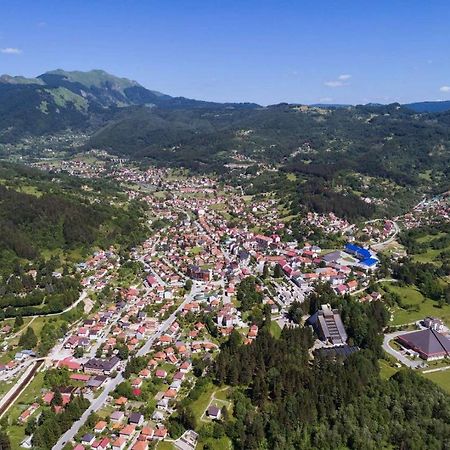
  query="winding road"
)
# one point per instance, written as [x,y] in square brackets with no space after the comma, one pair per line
[381,245]
[381,280]
[395,353]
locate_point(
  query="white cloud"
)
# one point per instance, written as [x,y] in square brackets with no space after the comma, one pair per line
[11,51]
[325,100]
[334,83]
[342,80]
[445,89]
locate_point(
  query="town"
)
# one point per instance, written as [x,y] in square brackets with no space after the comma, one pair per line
[151,324]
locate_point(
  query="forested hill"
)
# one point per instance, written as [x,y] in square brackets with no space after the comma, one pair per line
[430,107]
[59,100]
[387,140]
[283,400]
[48,224]
[356,161]
[336,156]
[41,215]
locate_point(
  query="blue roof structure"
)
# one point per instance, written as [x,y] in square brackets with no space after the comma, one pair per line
[358,251]
[369,262]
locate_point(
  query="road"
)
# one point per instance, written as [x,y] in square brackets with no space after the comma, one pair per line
[381,245]
[396,354]
[381,280]
[82,296]
[439,369]
[9,398]
[101,399]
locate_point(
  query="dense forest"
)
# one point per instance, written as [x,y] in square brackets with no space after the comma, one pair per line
[58,101]
[388,141]
[356,161]
[60,217]
[283,401]
[320,160]
[47,224]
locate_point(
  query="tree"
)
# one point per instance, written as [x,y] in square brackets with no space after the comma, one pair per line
[122,351]
[79,352]
[57,377]
[295,312]
[5,443]
[188,285]
[31,426]
[248,293]
[278,272]
[224,413]
[187,417]
[99,352]
[28,339]
[57,399]
[266,272]
[176,428]
[18,322]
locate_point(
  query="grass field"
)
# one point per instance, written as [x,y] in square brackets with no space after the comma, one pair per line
[222,394]
[442,379]
[15,432]
[223,443]
[291,176]
[196,250]
[199,405]
[431,255]
[386,370]
[5,386]
[218,207]
[164,445]
[30,190]
[421,307]
[275,329]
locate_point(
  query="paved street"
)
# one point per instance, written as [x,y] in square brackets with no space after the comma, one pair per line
[100,400]
[396,354]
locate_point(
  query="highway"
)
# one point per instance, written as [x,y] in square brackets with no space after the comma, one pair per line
[101,399]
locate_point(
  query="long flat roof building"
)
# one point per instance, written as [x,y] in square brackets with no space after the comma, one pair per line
[328,325]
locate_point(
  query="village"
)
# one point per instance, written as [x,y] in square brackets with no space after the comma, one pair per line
[138,351]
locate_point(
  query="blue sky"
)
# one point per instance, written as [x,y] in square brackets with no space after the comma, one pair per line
[343,51]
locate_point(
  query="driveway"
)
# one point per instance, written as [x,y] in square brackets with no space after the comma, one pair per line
[413,364]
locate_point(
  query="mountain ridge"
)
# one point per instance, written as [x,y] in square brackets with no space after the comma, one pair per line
[60,100]
[133,93]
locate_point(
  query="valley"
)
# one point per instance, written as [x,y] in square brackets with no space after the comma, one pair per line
[207,277]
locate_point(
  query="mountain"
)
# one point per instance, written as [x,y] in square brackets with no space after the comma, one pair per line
[60,100]
[380,136]
[429,107]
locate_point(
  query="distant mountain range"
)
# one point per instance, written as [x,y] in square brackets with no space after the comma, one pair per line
[429,107]
[420,107]
[123,117]
[58,100]
[399,149]
[100,88]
